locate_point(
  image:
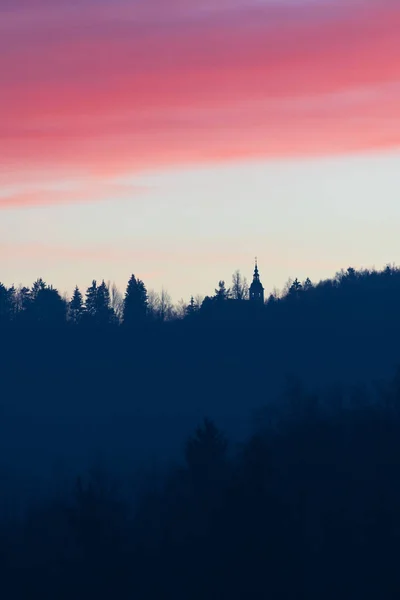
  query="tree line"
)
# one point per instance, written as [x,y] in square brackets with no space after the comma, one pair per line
[103,304]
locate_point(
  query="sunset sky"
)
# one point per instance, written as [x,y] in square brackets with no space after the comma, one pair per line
[177,139]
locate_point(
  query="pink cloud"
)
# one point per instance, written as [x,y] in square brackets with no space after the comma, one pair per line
[95,191]
[134,86]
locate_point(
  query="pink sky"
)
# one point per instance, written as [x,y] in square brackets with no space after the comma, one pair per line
[177,139]
[97,89]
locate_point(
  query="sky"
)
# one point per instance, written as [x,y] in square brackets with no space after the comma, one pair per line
[179,139]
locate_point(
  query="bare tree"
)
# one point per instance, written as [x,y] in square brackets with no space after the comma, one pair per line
[180,309]
[116,300]
[166,307]
[240,288]
[274,296]
[160,305]
[276,293]
[198,301]
[153,303]
[287,286]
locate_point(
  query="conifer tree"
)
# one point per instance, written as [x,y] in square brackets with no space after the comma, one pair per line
[104,312]
[102,298]
[91,299]
[295,288]
[47,307]
[135,302]
[191,307]
[5,305]
[307,285]
[222,293]
[76,307]
[98,304]
[38,285]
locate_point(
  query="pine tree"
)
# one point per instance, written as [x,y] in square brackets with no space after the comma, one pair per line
[37,287]
[5,305]
[47,307]
[307,285]
[98,304]
[222,293]
[295,288]
[76,308]
[91,300]
[135,303]
[104,312]
[191,307]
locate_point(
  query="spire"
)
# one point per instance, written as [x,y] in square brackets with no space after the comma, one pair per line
[256,275]
[256,289]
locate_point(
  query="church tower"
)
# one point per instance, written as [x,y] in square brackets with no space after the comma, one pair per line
[256,288]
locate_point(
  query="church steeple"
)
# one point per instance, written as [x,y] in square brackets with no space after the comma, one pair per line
[256,276]
[256,288]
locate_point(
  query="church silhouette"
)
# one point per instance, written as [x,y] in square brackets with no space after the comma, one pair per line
[256,290]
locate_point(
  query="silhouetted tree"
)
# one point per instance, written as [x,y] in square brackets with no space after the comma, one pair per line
[5,305]
[76,307]
[116,301]
[351,273]
[307,285]
[153,300]
[240,288]
[273,298]
[47,307]
[38,286]
[222,293]
[295,288]
[191,307]
[12,298]
[98,310]
[104,313]
[91,300]
[22,299]
[135,303]
[180,310]
[207,305]
[165,306]
[198,300]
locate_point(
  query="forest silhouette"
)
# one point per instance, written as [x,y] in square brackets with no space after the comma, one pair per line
[225,448]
